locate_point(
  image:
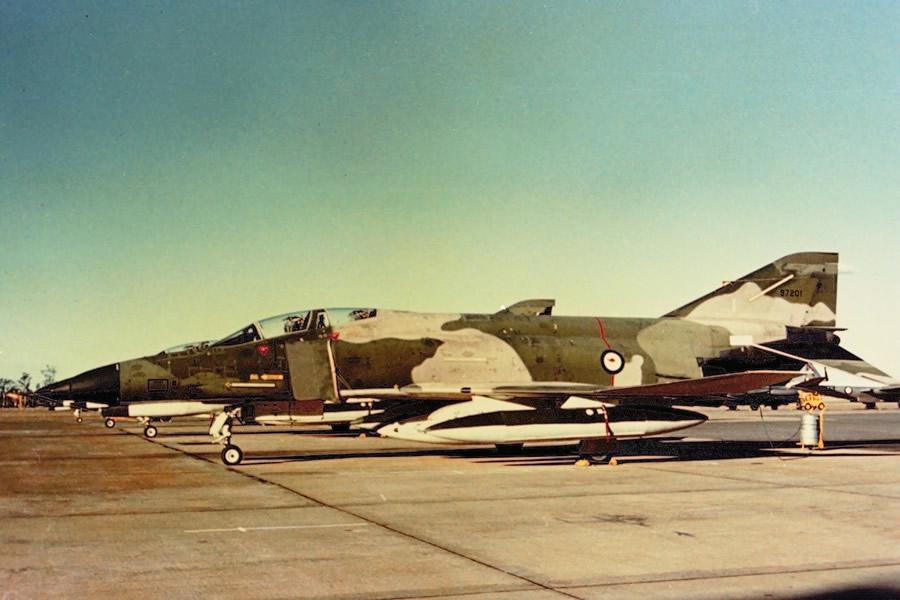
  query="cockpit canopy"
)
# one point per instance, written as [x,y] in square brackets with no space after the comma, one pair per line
[188,346]
[293,322]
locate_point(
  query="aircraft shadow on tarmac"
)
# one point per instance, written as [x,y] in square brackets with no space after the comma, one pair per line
[655,450]
[673,450]
[851,593]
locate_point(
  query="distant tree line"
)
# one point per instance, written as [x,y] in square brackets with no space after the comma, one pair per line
[12,389]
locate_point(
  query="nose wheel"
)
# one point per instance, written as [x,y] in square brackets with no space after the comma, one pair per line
[232,455]
[150,431]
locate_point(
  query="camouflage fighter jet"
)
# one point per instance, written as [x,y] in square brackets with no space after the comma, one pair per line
[511,377]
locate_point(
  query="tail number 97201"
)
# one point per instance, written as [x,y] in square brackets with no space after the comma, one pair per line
[791,293]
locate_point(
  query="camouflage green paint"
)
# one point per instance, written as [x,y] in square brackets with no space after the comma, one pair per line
[524,343]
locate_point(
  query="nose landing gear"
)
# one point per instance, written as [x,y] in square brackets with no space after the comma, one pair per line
[220,431]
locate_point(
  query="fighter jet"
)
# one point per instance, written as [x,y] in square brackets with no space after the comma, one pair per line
[514,376]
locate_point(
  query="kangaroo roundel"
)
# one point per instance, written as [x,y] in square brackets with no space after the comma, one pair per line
[612,362]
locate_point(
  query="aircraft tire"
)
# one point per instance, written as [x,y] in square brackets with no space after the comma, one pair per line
[870,406]
[807,406]
[232,455]
[774,407]
[150,431]
[821,406]
[110,423]
[754,407]
[79,420]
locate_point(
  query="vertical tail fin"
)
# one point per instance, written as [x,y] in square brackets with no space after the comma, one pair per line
[797,290]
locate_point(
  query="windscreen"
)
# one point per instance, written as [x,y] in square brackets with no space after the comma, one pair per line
[188,346]
[241,336]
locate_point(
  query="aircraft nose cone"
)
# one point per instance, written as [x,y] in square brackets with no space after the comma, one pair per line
[96,385]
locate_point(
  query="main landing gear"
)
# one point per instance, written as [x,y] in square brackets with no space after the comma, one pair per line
[588,451]
[78,418]
[220,430]
[109,422]
[150,431]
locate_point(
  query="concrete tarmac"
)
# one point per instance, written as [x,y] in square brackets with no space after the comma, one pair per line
[733,510]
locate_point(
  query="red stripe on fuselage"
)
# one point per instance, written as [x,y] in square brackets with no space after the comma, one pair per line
[612,378]
[603,333]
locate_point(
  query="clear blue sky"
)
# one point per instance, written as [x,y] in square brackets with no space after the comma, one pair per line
[171,170]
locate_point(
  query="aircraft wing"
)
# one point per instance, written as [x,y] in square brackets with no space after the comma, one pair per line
[704,387]
[715,385]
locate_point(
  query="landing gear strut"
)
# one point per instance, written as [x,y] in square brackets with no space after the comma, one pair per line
[78,418]
[220,430]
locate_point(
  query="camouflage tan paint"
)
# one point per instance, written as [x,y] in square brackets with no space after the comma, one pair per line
[524,343]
